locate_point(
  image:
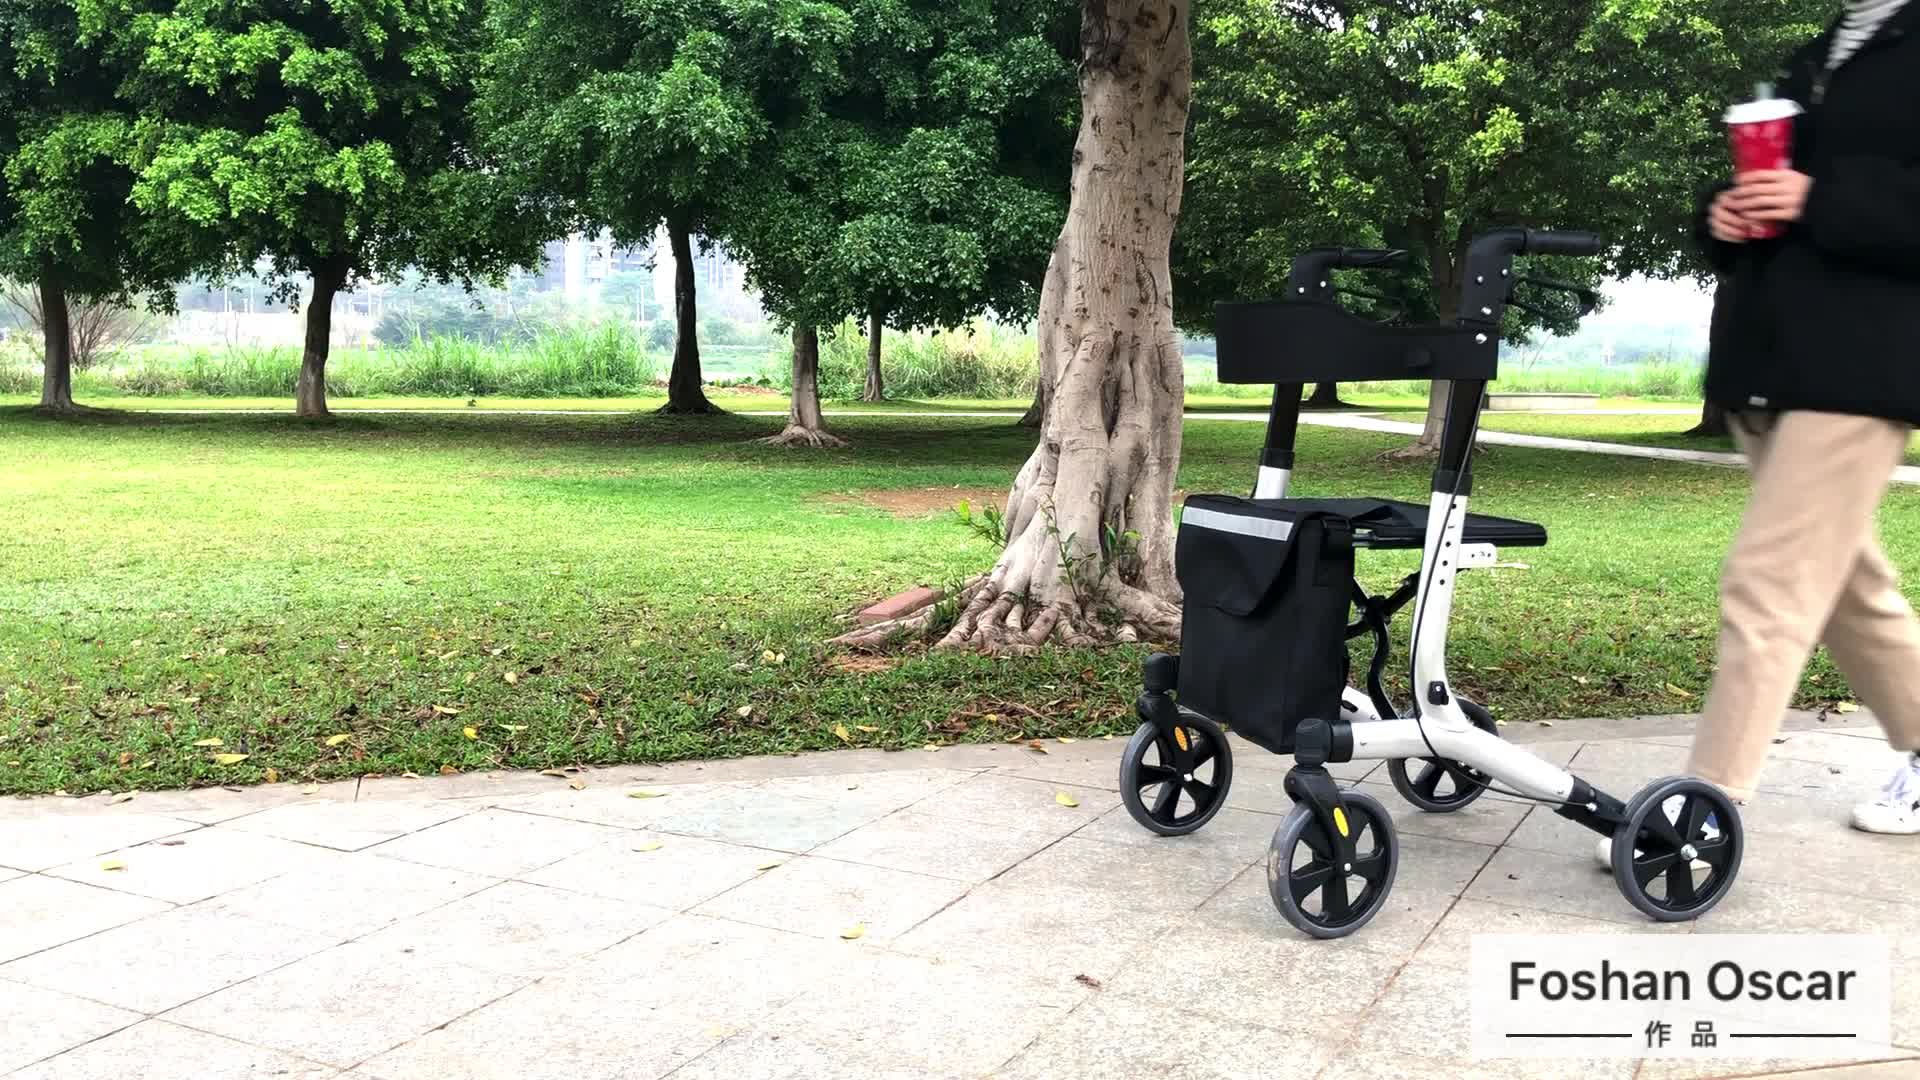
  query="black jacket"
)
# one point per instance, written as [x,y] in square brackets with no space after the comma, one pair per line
[1827,317]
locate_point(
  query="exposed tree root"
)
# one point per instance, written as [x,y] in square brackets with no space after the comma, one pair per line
[795,435]
[996,622]
[700,407]
[1417,451]
[68,411]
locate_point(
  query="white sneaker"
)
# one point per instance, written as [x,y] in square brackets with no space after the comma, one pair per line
[1897,811]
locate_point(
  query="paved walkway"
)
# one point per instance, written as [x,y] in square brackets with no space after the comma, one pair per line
[847,915]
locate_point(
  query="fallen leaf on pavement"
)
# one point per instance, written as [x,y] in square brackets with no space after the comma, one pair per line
[1065,799]
[310,789]
[854,932]
[1064,740]
[336,740]
[272,775]
[765,866]
[210,742]
[931,748]
[409,776]
[230,759]
[1088,981]
[841,731]
[651,845]
[645,793]
[577,784]
[113,864]
[1037,746]
[1846,707]
[448,770]
[122,797]
[553,772]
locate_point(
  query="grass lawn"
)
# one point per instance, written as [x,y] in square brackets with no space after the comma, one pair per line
[467,592]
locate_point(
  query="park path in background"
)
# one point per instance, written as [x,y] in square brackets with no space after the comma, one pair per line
[1905,474]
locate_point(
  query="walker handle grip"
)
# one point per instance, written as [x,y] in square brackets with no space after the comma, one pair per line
[1573,244]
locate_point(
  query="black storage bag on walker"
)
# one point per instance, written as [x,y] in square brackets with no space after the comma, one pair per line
[1268,593]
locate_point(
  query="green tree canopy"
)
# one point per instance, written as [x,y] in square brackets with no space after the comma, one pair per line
[646,112]
[68,146]
[1418,125]
[929,185]
[332,140]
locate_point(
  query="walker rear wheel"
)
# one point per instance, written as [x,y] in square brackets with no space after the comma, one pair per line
[1320,895]
[1175,785]
[1441,787]
[1679,850]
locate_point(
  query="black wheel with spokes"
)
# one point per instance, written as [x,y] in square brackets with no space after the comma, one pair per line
[1320,890]
[1679,850]
[1175,784]
[1441,787]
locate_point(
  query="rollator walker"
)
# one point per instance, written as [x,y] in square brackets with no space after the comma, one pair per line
[1270,607]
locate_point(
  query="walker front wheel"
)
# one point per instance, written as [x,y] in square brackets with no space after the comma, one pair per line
[1319,893]
[1441,787]
[1679,850]
[1173,785]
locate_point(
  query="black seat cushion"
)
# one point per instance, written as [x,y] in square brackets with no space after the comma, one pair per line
[1387,524]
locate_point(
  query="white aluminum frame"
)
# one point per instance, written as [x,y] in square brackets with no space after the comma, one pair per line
[1441,729]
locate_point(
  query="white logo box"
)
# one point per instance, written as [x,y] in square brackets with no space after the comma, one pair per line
[1825,996]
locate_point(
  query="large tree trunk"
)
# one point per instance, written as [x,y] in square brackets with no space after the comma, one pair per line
[310,391]
[876,382]
[1713,423]
[1036,413]
[804,425]
[56,326]
[683,384]
[1089,522]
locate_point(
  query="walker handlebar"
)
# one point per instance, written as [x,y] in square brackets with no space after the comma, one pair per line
[1308,279]
[1487,290]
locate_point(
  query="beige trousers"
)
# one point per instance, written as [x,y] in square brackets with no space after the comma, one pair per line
[1806,569]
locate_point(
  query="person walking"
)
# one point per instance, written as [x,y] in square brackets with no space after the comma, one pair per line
[1816,356]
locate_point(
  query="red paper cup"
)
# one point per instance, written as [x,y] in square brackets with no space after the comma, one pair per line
[1761,134]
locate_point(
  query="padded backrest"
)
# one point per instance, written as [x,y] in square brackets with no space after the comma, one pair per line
[1279,341]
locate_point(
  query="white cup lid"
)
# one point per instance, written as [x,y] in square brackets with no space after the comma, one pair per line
[1760,112]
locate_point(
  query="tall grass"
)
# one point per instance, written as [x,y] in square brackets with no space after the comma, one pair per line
[613,360]
[985,361]
[603,361]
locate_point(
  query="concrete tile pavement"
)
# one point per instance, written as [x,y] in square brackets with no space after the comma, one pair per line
[858,914]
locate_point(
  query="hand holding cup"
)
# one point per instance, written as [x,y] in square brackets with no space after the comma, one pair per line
[1771,196]
[1727,224]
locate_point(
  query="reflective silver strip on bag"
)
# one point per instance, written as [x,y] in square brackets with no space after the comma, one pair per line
[1263,528]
